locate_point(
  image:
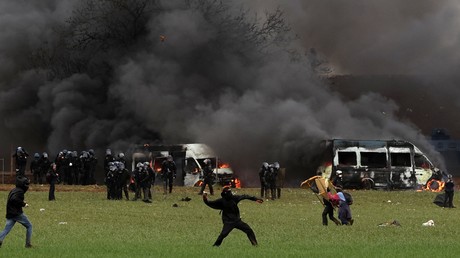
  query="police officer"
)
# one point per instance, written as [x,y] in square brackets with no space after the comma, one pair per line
[123,180]
[20,157]
[108,159]
[151,174]
[271,179]
[45,164]
[338,179]
[35,169]
[110,180]
[208,177]
[449,191]
[262,172]
[137,175]
[168,173]
[92,164]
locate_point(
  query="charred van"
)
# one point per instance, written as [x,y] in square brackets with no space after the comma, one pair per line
[368,164]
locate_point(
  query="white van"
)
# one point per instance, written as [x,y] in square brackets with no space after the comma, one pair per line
[189,159]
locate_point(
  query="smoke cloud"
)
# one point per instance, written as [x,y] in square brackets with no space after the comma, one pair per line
[203,85]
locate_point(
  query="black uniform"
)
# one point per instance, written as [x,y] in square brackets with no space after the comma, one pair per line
[168,173]
[270,178]
[45,164]
[14,212]
[93,163]
[449,191]
[52,178]
[208,179]
[20,157]
[263,183]
[228,204]
[35,169]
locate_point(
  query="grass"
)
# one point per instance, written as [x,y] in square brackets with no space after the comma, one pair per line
[85,224]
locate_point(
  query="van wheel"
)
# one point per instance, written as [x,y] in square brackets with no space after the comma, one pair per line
[367,184]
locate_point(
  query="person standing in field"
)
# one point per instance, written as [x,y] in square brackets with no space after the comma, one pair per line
[208,177]
[449,191]
[168,173]
[344,206]
[52,178]
[329,211]
[14,211]
[228,205]
[264,170]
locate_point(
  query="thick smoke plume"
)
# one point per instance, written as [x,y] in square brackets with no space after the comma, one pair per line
[190,75]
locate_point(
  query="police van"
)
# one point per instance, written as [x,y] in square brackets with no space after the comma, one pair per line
[370,164]
[189,159]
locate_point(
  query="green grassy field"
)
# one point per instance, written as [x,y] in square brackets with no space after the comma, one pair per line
[85,224]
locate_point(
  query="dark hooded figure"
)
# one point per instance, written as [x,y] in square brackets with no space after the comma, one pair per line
[228,205]
[14,211]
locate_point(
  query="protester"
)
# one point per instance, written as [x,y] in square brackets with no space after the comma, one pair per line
[344,206]
[14,211]
[329,211]
[231,219]
[52,178]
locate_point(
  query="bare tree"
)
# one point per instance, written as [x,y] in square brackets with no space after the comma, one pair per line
[99,30]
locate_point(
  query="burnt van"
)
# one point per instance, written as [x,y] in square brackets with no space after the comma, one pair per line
[370,164]
[189,159]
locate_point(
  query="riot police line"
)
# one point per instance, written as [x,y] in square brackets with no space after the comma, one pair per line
[72,168]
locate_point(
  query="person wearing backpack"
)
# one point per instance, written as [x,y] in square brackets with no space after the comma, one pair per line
[344,207]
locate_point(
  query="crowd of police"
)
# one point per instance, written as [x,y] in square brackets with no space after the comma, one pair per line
[71,167]
[140,180]
[268,174]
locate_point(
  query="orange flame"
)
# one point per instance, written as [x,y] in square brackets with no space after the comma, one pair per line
[237,183]
[224,165]
[434,185]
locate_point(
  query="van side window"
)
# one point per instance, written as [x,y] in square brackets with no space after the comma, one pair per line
[373,159]
[400,160]
[347,158]
[421,161]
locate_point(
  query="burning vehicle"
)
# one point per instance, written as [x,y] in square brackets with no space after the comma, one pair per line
[189,159]
[371,164]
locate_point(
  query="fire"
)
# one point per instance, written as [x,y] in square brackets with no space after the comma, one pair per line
[237,183]
[434,185]
[224,165]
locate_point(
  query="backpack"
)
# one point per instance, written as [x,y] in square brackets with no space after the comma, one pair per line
[348,198]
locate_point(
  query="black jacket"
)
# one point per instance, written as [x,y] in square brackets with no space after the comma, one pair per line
[229,206]
[15,203]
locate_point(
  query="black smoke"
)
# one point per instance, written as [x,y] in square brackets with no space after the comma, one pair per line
[188,75]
